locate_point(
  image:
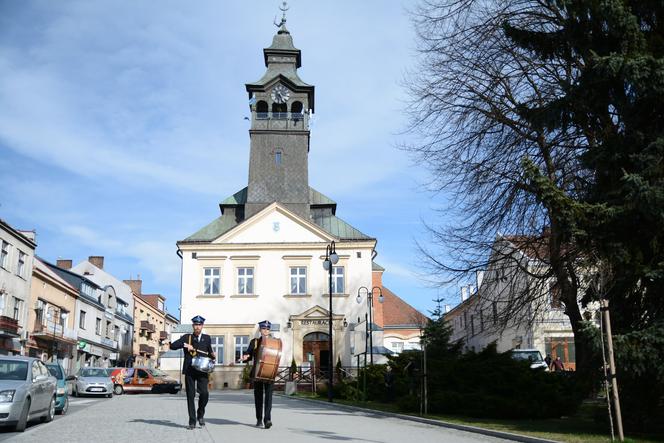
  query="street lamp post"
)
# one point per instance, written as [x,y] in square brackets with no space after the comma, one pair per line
[370,295]
[331,259]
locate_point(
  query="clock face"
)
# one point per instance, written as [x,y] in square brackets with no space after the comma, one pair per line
[280,94]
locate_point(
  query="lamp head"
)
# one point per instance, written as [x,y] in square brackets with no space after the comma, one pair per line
[326,264]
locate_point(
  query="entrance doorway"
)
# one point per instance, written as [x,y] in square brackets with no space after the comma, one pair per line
[316,349]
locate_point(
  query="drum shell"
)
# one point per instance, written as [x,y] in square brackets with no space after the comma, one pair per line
[202,364]
[267,359]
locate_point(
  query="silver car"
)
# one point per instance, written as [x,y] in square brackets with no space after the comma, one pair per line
[27,391]
[92,381]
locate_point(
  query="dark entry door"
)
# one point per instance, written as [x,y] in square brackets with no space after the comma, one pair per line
[316,345]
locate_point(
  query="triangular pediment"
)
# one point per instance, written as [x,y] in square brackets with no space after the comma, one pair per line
[275,224]
[315,313]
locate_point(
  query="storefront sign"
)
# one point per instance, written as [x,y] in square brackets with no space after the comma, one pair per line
[314,322]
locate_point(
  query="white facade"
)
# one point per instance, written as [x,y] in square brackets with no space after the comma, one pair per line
[119,308]
[542,325]
[17,251]
[272,243]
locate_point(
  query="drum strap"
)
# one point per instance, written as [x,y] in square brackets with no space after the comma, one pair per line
[192,353]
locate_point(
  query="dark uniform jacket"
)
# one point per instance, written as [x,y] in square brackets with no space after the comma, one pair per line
[200,343]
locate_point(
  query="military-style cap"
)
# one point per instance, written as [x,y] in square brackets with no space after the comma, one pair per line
[198,320]
[265,324]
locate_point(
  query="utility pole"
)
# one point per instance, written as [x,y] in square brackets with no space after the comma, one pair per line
[612,367]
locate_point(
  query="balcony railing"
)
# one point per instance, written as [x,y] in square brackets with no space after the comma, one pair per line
[8,325]
[146,325]
[281,120]
[145,349]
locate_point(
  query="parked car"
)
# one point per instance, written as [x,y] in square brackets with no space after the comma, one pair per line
[117,376]
[62,397]
[530,355]
[27,391]
[92,381]
[148,380]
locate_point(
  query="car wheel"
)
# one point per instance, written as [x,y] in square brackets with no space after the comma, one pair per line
[50,413]
[65,407]
[23,418]
[118,389]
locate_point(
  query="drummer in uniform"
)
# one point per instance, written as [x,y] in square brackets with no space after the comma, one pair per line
[195,344]
[262,389]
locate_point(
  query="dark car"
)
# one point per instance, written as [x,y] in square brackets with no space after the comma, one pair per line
[62,397]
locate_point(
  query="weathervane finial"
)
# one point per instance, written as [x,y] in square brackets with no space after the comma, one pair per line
[283,8]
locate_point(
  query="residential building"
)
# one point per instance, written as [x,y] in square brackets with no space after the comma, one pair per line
[95,318]
[542,324]
[51,317]
[149,313]
[17,251]
[121,302]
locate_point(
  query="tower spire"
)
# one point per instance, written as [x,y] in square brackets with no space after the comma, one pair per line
[282,25]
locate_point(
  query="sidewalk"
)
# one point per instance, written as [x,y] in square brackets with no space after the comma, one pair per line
[230,418]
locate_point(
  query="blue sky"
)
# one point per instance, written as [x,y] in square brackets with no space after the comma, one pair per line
[122,126]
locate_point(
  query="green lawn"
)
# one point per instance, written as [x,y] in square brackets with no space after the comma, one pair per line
[580,428]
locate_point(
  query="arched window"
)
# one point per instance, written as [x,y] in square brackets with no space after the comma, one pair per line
[261,110]
[279,110]
[296,108]
[316,336]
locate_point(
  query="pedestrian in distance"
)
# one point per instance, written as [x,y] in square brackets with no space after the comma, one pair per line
[558,365]
[262,389]
[547,360]
[195,380]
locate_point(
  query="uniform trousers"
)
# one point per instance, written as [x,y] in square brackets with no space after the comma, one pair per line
[196,381]
[262,389]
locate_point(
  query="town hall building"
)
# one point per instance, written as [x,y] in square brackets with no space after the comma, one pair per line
[263,257]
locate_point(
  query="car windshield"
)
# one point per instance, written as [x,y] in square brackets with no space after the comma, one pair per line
[93,372]
[55,371]
[13,370]
[109,371]
[157,373]
[531,356]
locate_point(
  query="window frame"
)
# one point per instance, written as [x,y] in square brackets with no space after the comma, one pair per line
[335,279]
[298,277]
[246,278]
[218,348]
[211,279]
[241,346]
[4,254]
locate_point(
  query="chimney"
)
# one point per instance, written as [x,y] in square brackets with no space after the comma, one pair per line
[135,285]
[464,293]
[479,278]
[97,260]
[447,309]
[64,264]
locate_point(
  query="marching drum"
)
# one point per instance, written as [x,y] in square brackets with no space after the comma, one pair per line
[267,359]
[203,364]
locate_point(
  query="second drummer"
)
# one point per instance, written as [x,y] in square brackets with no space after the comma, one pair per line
[262,389]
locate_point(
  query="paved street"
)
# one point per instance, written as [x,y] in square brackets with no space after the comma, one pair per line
[230,418]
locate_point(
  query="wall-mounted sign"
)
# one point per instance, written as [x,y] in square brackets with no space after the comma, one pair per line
[314,322]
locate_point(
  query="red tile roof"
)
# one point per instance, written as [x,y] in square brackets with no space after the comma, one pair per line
[398,312]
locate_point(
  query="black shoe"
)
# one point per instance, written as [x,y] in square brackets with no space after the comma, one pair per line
[259,423]
[191,426]
[268,424]
[201,421]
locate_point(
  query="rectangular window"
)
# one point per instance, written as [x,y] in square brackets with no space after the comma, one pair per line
[397,347]
[98,327]
[554,297]
[4,255]
[472,325]
[338,280]
[109,329]
[495,312]
[81,320]
[241,343]
[212,281]
[17,308]
[245,281]
[218,348]
[298,280]
[20,269]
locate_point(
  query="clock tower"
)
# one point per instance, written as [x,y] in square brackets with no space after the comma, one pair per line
[281,104]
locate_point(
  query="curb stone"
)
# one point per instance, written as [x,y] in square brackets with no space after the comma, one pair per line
[429,421]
